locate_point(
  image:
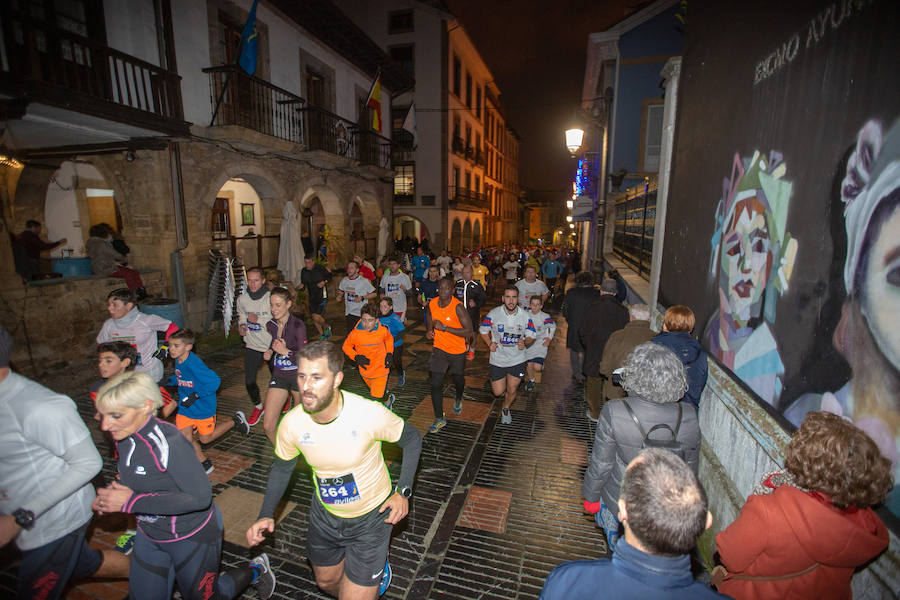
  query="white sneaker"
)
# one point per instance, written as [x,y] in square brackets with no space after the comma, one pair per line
[505,417]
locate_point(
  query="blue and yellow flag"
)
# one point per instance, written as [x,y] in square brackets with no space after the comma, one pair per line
[249,39]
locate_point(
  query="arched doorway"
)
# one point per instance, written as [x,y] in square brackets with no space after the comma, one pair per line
[467,236]
[456,237]
[476,234]
[238,226]
[357,232]
[312,226]
[409,227]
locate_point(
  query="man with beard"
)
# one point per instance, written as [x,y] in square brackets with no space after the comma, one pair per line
[340,435]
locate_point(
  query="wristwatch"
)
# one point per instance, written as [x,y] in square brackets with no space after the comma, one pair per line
[406,492]
[24,518]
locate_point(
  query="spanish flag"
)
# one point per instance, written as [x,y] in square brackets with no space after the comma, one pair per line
[374,102]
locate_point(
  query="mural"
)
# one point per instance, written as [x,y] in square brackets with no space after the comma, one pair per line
[752,259]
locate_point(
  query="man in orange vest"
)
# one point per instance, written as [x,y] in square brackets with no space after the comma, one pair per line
[450,327]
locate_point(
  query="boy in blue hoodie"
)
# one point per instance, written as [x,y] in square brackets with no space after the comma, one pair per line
[197,386]
[390,320]
[676,336]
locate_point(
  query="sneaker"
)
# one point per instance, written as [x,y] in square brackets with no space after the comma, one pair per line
[326,334]
[401,381]
[438,424]
[385,579]
[265,581]
[287,407]
[529,386]
[256,415]
[470,355]
[505,417]
[457,405]
[125,543]
[241,423]
[208,466]
[587,413]
[389,404]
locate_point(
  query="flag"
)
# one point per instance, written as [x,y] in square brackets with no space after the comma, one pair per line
[409,123]
[249,39]
[374,102]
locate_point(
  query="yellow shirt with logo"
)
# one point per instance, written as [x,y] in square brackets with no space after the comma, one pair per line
[480,274]
[348,469]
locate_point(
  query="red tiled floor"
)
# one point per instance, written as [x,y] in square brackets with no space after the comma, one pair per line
[573,452]
[227,465]
[486,509]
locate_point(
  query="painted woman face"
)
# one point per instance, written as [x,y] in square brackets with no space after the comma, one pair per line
[881,288]
[746,259]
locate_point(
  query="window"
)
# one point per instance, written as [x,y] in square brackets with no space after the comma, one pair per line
[315,90]
[468,90]
[651,135]
[478,183]
[456,177]
[468,138]
[221,221]
[405,57]
[478,102]
[401,21]
[457,76]
[468,180]
[405,183]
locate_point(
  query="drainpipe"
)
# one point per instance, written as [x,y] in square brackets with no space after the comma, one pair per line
[176,260]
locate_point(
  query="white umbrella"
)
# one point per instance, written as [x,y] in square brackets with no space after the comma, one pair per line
[384,233]
[290,257]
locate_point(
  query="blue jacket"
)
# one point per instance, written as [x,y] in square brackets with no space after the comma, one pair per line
[395,326]
[191,376]
[629,575]
[692,356]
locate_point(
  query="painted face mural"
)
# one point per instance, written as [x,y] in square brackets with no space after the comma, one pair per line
[752,259]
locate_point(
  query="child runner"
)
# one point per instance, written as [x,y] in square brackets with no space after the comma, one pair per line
[544,330]
[371,346]
[390,320]
[394,285]
[354,290]
[288,337]
[197,385]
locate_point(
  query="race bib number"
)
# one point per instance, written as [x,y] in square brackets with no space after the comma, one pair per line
[254,326]
[284,363]
[393,287]
[351,297]
[338,490]
[509,339]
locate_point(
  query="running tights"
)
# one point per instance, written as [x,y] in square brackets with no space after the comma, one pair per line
[437,391]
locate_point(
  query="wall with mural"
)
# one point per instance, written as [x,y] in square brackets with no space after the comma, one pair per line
[783,229]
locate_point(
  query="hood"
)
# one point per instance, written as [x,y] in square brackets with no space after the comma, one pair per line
[831,536]
[681,343]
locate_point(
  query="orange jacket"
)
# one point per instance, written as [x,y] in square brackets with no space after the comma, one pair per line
[374,345]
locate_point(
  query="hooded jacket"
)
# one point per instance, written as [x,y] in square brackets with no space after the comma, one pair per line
[374,345]
[692,357]
[789,530]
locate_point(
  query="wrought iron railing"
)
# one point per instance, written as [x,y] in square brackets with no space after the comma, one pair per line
[333,134]
[468,197]
[635,225]
[251,102]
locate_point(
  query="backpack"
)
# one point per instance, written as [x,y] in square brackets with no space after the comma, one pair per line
[672,445]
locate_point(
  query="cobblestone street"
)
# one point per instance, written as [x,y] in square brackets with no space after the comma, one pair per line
[495,506]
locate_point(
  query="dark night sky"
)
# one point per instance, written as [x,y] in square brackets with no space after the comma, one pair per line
[536,51]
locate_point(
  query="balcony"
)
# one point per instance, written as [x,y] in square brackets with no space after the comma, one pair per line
[63,88]
[480,158]
[458,146]
[466,199]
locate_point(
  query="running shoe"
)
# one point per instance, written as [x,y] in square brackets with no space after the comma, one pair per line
[457,405]
[241,423]
[208,466]
[256,415]
[385,579]
[470,355]
[125,543]
[438,424]
[326,334]
[265,581]
[529,386]
[389,404]
[401,381]
[505,417]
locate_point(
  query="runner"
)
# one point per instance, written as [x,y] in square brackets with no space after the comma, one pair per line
[472,295]
[536,353]
[511,266]
[313,278]
[420,263]
[449,326]
[444,263]
[479,272]
[395,327]
[354,291]
[551,270]
[530,287]
[395,285]
[507,330]
[428,289]
[288,337]
[161,481]
[355,508]
[371,346]
[253,313]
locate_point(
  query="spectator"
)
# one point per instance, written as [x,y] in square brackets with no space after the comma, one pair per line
[621,286]
[604,316]
[804,530]
[619,346]
[574,308]
[663,507]
[31,246]
[108,262]
[676,336]
[655,382]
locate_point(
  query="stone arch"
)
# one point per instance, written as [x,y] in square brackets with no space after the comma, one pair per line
[456,237]
[335,217]
[467,235]
[476,234]
[271,193]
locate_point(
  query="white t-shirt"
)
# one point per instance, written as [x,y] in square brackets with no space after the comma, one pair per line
[528,290]
[355,291]
[139,330]
[512,269]
[507,329]
[544,329]
[444,263]
[257,337]
[391,286]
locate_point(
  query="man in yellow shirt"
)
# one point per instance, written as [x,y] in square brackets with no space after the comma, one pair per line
[340,435]
[479,271]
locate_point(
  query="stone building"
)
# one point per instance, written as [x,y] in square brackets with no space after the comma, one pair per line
[137,114]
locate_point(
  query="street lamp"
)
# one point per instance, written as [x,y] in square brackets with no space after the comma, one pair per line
[574,139]
[569,219]
[570,204]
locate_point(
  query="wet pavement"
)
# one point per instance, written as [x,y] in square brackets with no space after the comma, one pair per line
[495,507]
